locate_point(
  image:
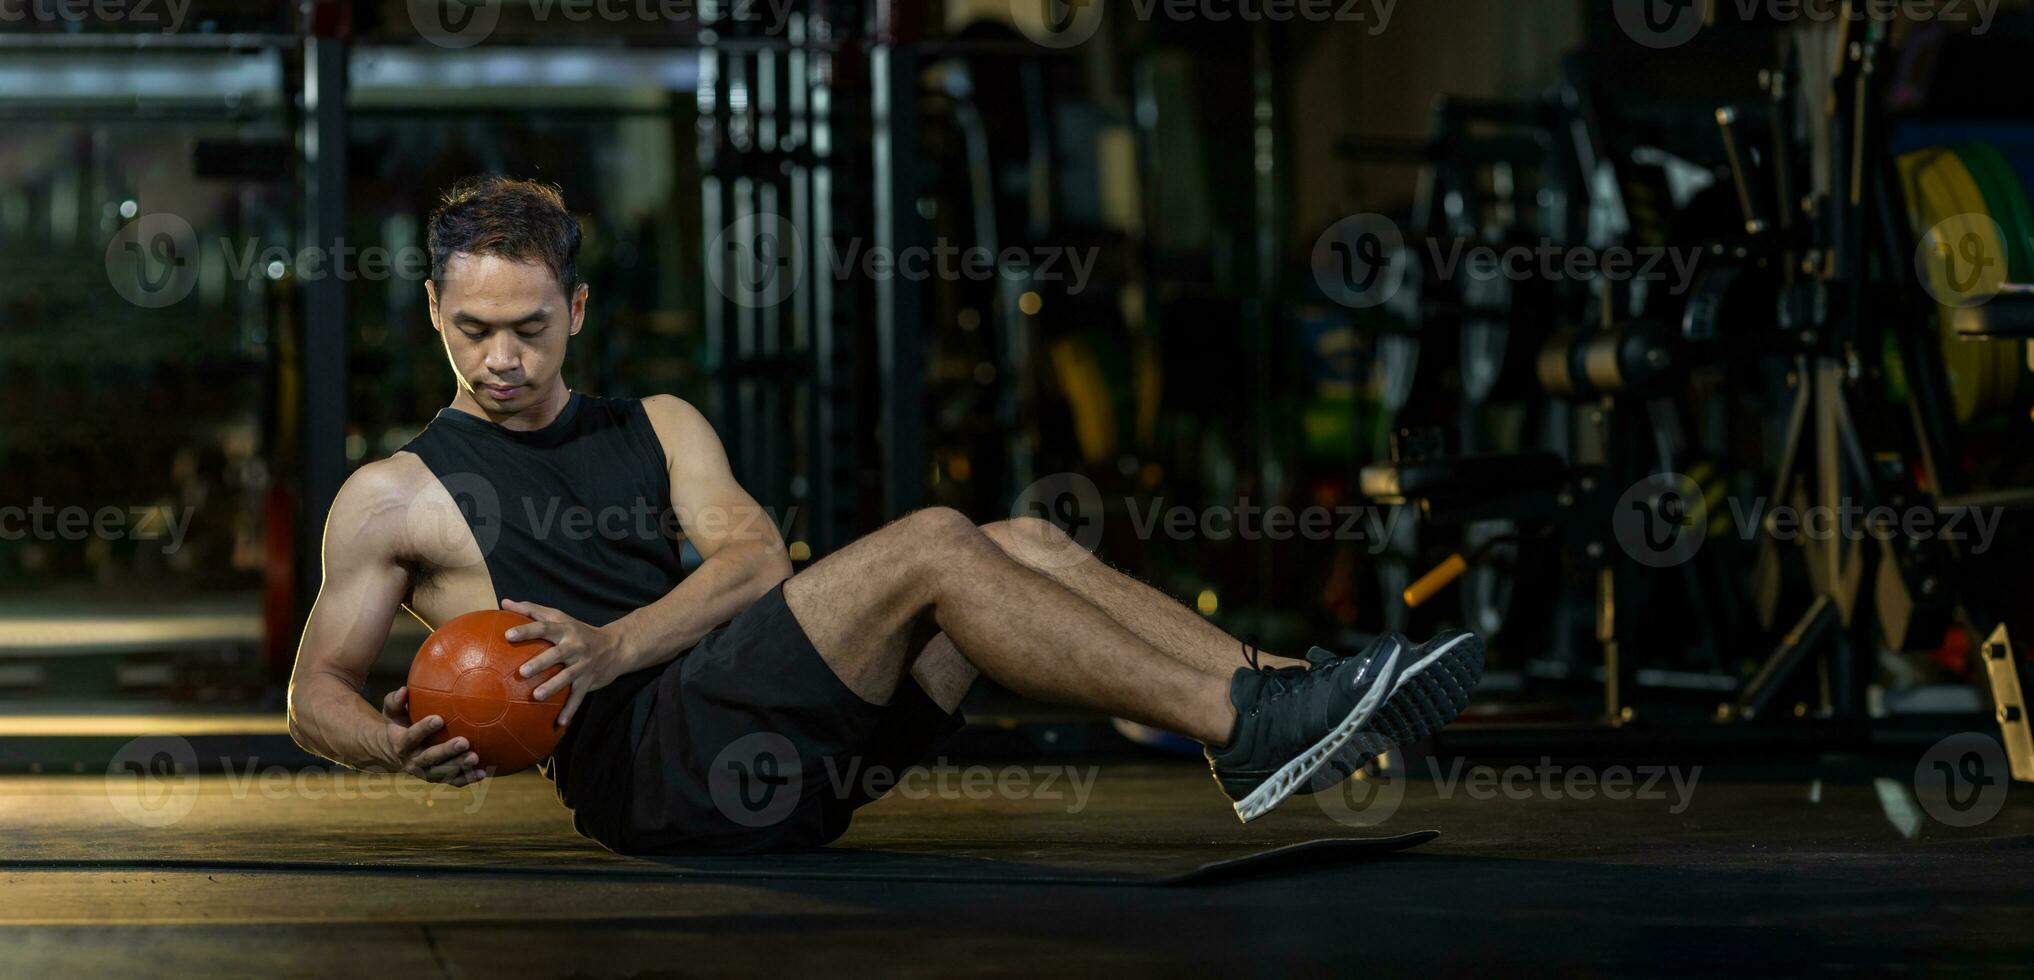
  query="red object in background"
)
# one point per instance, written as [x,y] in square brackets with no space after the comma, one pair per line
[278,580]
[466,674]
[1341,595]
[1954,653]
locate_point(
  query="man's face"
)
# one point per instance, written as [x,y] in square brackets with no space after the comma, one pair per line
[505,325]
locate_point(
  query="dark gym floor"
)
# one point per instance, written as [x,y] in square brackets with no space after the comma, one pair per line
[1760,871]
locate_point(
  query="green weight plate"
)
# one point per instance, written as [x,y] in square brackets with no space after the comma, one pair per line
[2006,201]
[2006,198]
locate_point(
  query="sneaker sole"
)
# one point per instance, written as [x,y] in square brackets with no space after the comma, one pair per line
[1429,694]
[1291,776]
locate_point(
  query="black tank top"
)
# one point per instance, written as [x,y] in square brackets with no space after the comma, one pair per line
[576,516]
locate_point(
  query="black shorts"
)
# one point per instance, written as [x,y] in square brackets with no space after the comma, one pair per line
[750,743]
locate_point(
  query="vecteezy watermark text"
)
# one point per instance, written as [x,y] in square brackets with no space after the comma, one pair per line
[163,16]
[1364,261]
[43,521]
[465,23]
[282,782]
[760,260]
[1373,796]
[1065,23]
[1672,23]
[1547,781]
[343,261]
[1855,522]
[1252,522]
[1663,520]
[153,782]
[942,780]
[154,260]
[1073,504]
[757,780]
[757,261]
[474,509]
[948,262]
[1549,261]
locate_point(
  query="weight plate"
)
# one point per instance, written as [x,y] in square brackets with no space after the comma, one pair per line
[2006,203]
[2010,207]
[1995,193]
[1943,200]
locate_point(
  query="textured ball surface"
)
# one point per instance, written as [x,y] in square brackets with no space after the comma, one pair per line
[466,674]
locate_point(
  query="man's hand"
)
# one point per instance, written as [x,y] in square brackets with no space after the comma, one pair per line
[410,751]
[593,656]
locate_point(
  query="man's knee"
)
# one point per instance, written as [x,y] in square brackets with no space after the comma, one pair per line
[936,538]
[937,525]
[1033,541]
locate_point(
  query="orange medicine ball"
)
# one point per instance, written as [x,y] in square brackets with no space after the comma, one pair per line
[466,674]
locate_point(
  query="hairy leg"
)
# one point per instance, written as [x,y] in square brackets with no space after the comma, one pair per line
[1162,621]
[871,609]
[943,673]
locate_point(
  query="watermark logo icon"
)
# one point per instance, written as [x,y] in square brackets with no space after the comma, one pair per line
[152,262]
[1661,520]
[758,261]
[1962,260]
[1368,798]
[1070,502]
[1057,23]
[1361,261]
[153,781]
[756,780]
[1659,24]
[455,23]
[438,532]
[1961,780]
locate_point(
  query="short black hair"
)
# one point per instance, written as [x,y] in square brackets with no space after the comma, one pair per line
[519,220]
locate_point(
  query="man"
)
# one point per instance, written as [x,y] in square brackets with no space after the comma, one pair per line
[706,710]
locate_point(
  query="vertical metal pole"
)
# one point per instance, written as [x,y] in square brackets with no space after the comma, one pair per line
[809,472]
[1270,271]
[833,468]
[900,318]
[326,316]
[740,359]
[712,219]
[774,384]
[1606,635]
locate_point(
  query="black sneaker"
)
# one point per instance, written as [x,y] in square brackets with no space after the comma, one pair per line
[1394,694]
[1434,684]
[1290,722]
[1320,656]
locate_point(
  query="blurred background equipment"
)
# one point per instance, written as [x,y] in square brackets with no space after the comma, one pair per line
[1141,251]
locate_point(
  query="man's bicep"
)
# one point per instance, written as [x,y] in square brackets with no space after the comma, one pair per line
[363,587]
[711,505]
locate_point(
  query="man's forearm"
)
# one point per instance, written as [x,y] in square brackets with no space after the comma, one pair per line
[727,583]
[332,721]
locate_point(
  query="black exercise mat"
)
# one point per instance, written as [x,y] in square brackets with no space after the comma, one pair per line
[1138,825]
[1099,867]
